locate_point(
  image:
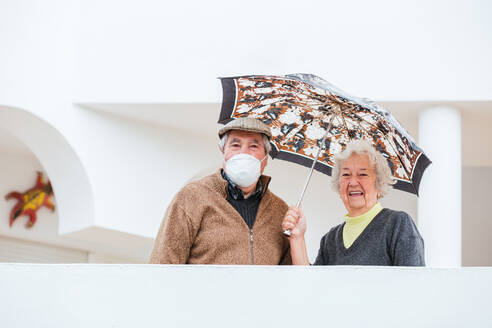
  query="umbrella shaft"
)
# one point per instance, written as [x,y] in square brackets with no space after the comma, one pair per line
[288,232]
[308,178]
[312,166]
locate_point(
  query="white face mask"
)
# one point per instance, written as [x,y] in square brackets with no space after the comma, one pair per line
[243,169]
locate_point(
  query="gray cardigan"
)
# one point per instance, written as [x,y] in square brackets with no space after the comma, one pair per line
[391,238]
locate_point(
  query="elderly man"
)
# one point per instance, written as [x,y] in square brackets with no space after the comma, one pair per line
[229,217]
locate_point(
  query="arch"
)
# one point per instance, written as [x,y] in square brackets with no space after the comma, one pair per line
[73,192]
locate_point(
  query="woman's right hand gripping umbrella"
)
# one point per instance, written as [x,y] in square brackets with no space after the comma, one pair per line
[295,221]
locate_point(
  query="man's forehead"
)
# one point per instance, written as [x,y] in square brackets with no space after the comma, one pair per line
[239,135]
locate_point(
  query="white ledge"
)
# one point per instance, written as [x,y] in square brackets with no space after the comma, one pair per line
[83,295]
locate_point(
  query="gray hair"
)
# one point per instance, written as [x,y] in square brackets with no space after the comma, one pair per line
[384,179]
[266,142]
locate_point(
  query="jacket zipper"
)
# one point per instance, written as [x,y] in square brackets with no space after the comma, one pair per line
[251,246]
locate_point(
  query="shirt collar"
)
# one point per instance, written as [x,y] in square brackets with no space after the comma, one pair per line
[236,193]
[369,215]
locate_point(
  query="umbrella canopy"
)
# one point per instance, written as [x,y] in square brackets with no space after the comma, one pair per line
[300,108]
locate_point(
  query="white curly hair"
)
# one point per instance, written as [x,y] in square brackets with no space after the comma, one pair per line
[384,179]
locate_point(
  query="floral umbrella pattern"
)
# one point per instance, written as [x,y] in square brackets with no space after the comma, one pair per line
[300,107]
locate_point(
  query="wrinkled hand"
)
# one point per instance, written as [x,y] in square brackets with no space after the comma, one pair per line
[294,221]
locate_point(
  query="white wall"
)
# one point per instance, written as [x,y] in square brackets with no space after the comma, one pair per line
[154,51]
[136,168]
[225,296]
[477,137]
[391,50]
[476,225]
[18,167]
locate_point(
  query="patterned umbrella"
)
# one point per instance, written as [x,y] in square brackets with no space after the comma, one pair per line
[311,120]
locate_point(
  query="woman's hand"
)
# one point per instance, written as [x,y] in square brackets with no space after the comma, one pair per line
[294,221]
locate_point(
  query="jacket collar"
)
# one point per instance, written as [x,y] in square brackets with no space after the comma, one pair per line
[222,183]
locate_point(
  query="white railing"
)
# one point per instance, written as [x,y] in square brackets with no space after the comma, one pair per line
[93,295]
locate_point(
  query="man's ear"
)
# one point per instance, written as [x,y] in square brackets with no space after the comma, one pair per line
[220,148]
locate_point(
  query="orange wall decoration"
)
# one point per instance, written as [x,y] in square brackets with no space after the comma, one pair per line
[30,201]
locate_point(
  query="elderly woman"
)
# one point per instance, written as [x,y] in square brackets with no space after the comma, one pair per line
[371,234]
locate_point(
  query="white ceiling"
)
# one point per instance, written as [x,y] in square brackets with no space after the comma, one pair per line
[201,119]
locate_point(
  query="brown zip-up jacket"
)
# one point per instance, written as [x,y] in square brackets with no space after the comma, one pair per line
[201,227]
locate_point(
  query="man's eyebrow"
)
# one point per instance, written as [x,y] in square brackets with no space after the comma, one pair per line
[235,140]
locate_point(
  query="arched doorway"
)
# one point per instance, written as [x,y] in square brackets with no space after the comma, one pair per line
[74,196]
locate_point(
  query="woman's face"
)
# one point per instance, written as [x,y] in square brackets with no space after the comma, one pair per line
[358,184]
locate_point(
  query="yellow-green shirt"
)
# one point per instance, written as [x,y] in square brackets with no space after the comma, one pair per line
[355,225]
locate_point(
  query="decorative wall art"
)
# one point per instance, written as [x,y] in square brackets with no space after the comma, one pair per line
[30,201]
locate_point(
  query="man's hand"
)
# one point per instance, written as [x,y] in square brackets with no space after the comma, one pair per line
[294,221]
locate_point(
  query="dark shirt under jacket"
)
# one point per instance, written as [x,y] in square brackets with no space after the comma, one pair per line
[248,207]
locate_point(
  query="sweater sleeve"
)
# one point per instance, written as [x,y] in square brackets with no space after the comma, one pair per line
[322,258]
[407,244]
[175,237]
